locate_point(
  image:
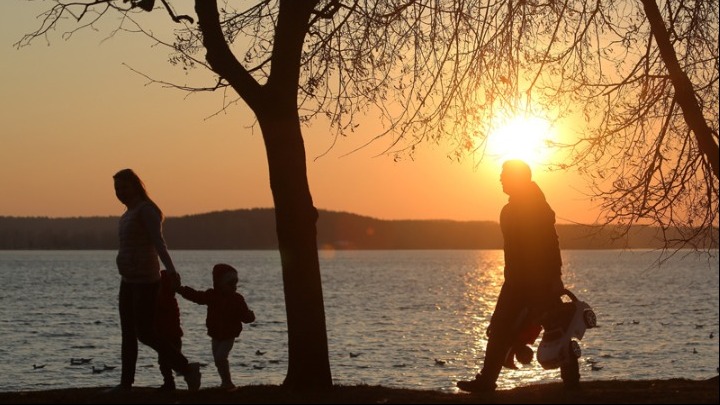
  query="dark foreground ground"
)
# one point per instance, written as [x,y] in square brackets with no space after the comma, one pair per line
[676,391]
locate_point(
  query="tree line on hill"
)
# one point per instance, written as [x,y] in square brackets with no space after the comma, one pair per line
[254,229]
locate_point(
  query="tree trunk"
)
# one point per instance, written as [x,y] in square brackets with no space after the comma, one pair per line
[275,105]
[296,222]
[684,93]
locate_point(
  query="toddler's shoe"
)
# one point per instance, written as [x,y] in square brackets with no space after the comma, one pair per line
[228,387]
[192,377]
[167,387]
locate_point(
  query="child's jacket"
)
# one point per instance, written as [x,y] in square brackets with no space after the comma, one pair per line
[226,312]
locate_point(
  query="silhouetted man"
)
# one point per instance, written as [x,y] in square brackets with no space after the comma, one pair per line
[532,274]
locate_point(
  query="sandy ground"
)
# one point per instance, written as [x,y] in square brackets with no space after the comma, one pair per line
[675,391]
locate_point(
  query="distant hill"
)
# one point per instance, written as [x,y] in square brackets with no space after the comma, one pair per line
[255,229]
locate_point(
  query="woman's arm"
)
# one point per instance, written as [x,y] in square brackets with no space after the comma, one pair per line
[152,221]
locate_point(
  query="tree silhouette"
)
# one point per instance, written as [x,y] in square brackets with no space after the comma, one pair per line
[431,70]
[646,82]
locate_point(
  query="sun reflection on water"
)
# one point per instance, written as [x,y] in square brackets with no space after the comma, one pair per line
[412,319]
[482,287]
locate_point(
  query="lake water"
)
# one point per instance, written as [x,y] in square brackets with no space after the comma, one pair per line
[399,310]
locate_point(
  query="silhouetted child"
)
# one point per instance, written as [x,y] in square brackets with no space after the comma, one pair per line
[167,321]
[226,312]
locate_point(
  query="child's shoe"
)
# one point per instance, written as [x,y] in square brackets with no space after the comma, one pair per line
[192,376]
[168,386]
[228,387]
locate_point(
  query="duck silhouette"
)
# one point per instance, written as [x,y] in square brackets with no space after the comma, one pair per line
[37,366]
[439,362]
[353,355]
[259,353]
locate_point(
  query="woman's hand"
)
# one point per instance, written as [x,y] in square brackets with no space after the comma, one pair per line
[176,280]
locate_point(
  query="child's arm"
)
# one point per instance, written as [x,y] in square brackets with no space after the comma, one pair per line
[250,317]
[190,294]
[246,315]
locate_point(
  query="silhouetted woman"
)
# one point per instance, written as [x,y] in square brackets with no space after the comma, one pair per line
[141,244]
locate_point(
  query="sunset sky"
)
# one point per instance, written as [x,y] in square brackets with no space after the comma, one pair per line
[73,114]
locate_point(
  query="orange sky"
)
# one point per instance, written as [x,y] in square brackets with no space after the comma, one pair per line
[73,115]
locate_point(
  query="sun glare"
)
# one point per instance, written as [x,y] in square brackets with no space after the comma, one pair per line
[526,138]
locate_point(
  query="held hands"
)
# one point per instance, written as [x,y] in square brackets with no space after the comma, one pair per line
[176,280]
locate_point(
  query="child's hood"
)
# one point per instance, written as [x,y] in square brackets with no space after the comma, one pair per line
[222,273]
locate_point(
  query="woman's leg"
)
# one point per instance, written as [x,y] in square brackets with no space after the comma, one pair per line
[129,345]
[144,309]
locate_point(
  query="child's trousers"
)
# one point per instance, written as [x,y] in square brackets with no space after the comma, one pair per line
[221,352]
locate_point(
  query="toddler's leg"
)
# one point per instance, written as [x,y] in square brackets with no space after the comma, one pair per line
[165,368]
[221,352]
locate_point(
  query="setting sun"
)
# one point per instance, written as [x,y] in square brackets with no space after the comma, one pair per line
[522,137]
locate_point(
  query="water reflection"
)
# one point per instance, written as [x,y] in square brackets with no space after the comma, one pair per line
[482,286]
[399,310]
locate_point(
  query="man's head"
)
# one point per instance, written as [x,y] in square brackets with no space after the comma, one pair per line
[515,176]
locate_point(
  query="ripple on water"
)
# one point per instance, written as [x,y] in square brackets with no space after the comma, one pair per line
[400,309]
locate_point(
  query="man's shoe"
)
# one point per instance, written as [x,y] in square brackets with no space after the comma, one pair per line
[192,376]
[477,385]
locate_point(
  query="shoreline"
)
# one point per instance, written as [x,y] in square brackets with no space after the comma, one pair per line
[612,391]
